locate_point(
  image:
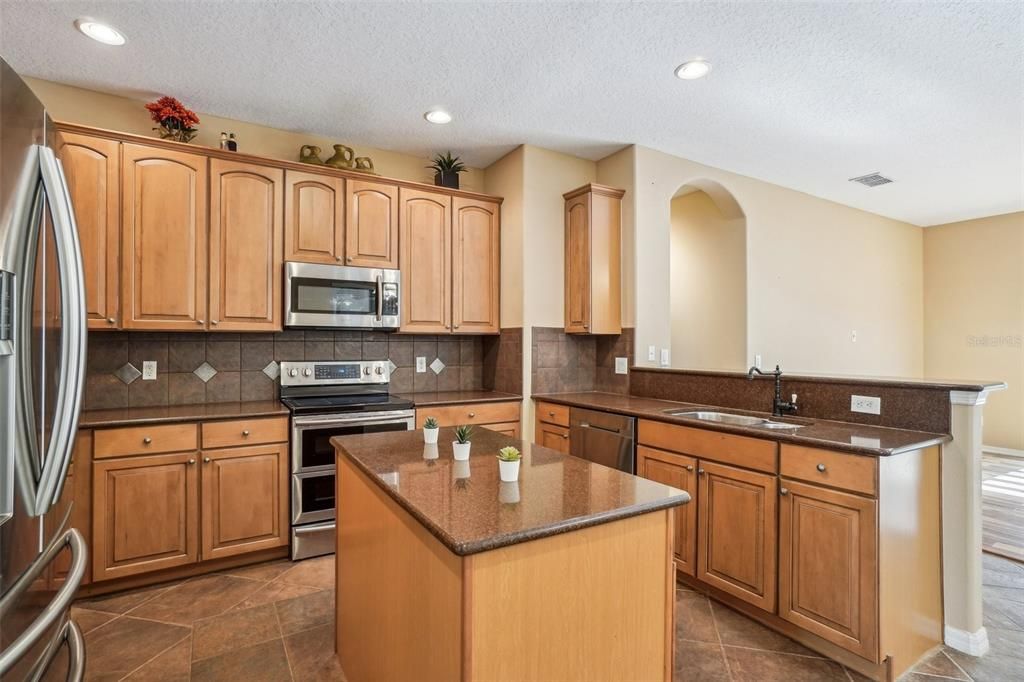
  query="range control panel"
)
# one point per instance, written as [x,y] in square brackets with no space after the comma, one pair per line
[335,373]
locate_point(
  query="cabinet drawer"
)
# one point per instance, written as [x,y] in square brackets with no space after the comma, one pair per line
[510,429]
[472,413]
[836,469]
[245,432]
[144,440]
[750,453]
[553,414]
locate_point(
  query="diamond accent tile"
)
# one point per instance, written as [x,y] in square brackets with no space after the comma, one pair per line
[392,367]
[437,365]
[205,372]
[128,373]
[272,370]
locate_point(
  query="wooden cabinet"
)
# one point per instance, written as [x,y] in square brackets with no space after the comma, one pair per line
[145,514]
[163,238]
[502,417]
[314,218]
[828,562]
[476,266]
[73,509]
[244,500]
[552,436]
[371,228]
[679,472]
[593,286]
[426,249]
[737,532]
[510,429]
[246,228]
[93,169]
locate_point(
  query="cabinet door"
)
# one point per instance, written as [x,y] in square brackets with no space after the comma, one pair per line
[426,245]
[163,238]
[73,508]
[246,227]
[93,169]
[737,533]
[371,230]
[245,500]
[476,268]
[828,568]
[314,218]
[510,429]
[145,514]
[577,264]
[552,436]
[680,472]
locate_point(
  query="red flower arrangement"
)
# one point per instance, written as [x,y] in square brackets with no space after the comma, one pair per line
[176,122]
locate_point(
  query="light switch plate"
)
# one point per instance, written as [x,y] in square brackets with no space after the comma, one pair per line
[757,361]
[664,357]
[149,370]
[621,365]
[651,353]
[865,404]
[421,364]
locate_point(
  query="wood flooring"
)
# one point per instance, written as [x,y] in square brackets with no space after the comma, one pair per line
[1002,505]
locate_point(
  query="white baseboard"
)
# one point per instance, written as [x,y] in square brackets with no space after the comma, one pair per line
[973,643]
[1009,452]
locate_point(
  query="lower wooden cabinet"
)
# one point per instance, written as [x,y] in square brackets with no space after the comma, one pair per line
[245,500]
[678,471]
[828,559]
[737,532]
[552,436]
[510,429]
[502,417]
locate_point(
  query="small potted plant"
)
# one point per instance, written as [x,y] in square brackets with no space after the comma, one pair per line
[460,446]
[508,464]
[430,430]
[446,170]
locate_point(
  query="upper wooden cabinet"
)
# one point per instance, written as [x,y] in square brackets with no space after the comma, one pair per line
[371,228]
[593,282]
[476,266]
[426,239]
[163,238]
[93,169]
[246,227]
[314,218]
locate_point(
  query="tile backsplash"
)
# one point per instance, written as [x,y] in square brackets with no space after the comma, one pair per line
[224,367]
[575,362]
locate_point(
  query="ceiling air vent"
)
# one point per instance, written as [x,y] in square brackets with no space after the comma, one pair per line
[872,180]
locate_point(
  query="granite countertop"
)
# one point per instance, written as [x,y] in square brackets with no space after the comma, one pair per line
[439,398]
[468,508]
[130,416]
[846,436]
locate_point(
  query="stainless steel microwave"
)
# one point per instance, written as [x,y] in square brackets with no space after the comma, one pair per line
[338,297]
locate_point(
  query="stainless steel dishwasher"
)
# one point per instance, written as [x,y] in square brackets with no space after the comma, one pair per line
[603,438]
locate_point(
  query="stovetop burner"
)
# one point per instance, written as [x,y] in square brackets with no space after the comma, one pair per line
[346,403]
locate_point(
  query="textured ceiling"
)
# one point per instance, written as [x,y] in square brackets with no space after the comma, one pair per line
[803,95]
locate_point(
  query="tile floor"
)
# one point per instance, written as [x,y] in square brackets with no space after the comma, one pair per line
[274,622]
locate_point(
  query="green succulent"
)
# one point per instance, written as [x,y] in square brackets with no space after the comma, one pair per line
[430,423]
[463,433]
[446,163]
[509,454]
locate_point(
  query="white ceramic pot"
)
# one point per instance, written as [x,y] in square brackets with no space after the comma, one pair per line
[461,450]
[430,435]
[508,493]
[509,471]
[430,450]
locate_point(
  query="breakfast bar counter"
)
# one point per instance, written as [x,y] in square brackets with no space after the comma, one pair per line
[446,573]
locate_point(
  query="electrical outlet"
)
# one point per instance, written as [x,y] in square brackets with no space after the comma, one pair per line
[865,404]
[664,357]
[421,365]
[621,365]
[149,370]
[651,353]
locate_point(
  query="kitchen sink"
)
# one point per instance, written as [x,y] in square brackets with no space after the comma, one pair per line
[733,419]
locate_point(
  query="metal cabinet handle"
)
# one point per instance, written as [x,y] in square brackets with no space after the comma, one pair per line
[456,326]
[349,259]
[689,467]
[783,491]
[551,414]
[213,322]
[472,414]
[245,433]
[337,258]
[206,460]
[700,471]
[821,468]
[191,461]
[200,321]
[111,320]
[565,436]
[147,440]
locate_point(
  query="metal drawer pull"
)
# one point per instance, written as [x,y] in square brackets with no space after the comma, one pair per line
[565,435]
[111,320]
[245,433]
[821,468]
[551,414]
[472,414]
[689,467]
[207,460]
[191,461]
[147,440]
[700,471]
[783,491]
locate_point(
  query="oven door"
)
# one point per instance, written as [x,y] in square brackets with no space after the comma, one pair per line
[311,435]
[312,497]
[341,297]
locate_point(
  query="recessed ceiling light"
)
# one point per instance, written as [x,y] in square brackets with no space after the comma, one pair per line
[693,69]
[439,116]
[102,33]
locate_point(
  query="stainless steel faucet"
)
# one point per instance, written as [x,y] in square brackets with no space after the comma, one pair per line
[779,406]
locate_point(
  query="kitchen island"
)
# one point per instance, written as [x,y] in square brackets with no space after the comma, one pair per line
[446,573]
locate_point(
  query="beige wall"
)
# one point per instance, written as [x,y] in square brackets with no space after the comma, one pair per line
[974,314]
[101,110]
[709,285]
[817,271]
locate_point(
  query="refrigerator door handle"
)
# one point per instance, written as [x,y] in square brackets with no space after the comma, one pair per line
[71,635]
[73,331]
[56,609]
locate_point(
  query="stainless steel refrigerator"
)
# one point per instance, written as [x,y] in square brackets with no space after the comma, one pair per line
[42,362]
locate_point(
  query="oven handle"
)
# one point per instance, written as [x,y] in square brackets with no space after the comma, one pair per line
[302,422]
[380,297]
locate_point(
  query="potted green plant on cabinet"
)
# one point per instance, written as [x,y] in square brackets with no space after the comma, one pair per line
[446,170]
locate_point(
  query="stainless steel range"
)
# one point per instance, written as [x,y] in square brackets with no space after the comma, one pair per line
[330,399]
